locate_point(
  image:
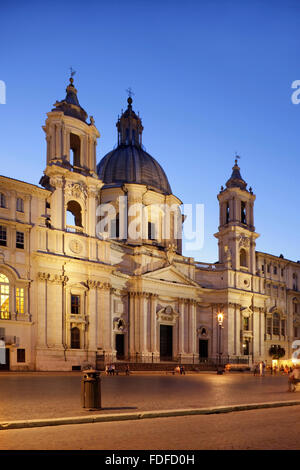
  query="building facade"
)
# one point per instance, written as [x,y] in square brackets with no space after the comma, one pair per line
[80,279]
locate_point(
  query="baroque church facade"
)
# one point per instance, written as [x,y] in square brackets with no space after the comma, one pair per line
[71,293]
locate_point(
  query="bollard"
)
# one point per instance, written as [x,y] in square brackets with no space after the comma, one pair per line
[91,389]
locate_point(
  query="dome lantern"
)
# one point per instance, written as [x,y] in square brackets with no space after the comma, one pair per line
[129,127]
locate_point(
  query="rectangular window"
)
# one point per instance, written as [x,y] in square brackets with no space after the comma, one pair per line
[268,268]
[20,240]
[269,326]
[20,205]
[275,269]
[3,238]
[2,200]
[282,327]
[295,332]
[246,323]
[151,231]
[19,300]
[75,304]
[20,355]
[263,268]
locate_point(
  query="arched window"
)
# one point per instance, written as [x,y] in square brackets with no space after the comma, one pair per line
[4,297]
[243,212]
[227,213]
[75,338]
[243,258]
[73,216]
[75,150]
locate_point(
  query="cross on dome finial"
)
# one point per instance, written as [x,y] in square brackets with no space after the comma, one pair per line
[130,92]
[237,157]
[72,72]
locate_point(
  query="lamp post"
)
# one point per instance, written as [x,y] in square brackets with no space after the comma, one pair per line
[220,318]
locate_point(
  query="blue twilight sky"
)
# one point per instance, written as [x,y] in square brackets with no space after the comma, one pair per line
[211,78]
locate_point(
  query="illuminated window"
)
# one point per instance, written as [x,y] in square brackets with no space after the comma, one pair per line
[19,300]
[20,205]
[75,304]
[4,297]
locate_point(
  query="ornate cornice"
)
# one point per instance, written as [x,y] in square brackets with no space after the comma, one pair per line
[53,278]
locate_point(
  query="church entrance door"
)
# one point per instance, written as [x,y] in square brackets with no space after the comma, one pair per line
[203,349]
[120,346]
[166,342]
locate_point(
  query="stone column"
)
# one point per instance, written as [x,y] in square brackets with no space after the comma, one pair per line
[105,317]
[92,312]
[192,326]
[153,306]
[143,307]
[137,323]
[131,324]
[54,310]
[41,302]
[57,205]
[181,326]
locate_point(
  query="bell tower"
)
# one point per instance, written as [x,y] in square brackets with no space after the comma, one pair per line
[70,173]
[71,141]
[236,230]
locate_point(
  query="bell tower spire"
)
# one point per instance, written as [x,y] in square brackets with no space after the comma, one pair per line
[236,230]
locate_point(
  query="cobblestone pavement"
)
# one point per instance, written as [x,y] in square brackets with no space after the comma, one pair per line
[270,429]
[51,395]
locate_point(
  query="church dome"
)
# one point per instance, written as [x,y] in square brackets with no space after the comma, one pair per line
[129,162]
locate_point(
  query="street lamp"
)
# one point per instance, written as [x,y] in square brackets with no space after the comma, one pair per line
[220,317]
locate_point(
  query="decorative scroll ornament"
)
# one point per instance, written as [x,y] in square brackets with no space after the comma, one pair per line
[167,315]
[77,190]
[244,241]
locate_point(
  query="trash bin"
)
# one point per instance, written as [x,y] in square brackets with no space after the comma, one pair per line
[91,389]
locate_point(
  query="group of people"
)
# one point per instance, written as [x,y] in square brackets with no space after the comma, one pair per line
[259,368]
[110,369]
[180,370]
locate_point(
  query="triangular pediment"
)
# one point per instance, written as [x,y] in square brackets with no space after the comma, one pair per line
[170,274]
